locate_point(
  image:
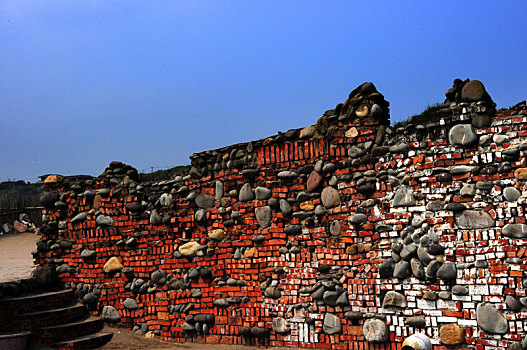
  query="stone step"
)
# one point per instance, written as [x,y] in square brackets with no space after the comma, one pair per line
[91,341]
[39,319]
[61,332]
[38,302]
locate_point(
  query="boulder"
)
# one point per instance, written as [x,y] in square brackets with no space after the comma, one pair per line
[314,181]
[415,321]
[514,230]
[511,194]
[155,218]
[474,219]
[447,272]
[394,299]
[130,304]
[104,221]
[403,197]
[452,334]
[246,193]
[81,217]
[264,215]
[87,254]
[281,325]
[159,277]
[204,201]
[216,234]
[332,324]
[330,197]
[262,193]
[473,91]
[189,249]
[110,314]
[113,265]
[491,320]
[521,173]
[166,199]
[285,207]
[375,331]
[462,135]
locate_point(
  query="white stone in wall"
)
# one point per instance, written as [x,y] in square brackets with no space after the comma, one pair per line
[478,289]
[447,304]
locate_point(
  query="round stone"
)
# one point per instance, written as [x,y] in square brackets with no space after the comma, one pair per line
[511,194]
[262,193]
[520,173]
[204,201]
[189,249]
[216,234]
[463,135]
[491,320]
[332,324]
[473,91]
[264,215]
[113,265]
[447,272]
[452,334]
[281,325]
[394,299]
[246,193]
[330,197]
[375,331]
[513,303]
[110,314]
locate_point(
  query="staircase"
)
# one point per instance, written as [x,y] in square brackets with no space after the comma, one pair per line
[55,319]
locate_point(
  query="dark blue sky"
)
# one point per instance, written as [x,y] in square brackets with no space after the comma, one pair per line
[149,83]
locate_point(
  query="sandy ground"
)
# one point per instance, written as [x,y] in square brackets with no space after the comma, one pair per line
[16,260]
[125,339]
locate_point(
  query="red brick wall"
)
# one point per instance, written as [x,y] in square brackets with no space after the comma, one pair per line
[358,250]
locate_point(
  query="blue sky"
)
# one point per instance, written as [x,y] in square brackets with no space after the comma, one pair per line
[149,83]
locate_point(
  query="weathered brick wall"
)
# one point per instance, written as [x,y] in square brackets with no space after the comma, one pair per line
[348,234]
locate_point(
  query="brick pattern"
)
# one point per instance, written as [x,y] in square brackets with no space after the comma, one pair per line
[360,247]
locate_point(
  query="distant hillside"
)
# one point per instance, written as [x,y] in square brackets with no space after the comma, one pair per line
[167,174]
[20,188]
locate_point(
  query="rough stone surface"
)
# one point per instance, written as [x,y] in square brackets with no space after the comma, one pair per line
[281,325]
[246,193]
[452,334]
[491,320]
[189,249]
[204,201]
[474,219]
[463,135]
[110,314]
[264,215]
[375,331]
[404,196]
[216,234]
[332,324]
[394,299]
[113,265]
[330,197]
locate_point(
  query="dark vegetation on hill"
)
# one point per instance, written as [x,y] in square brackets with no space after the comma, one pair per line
[429,115]
[167,174]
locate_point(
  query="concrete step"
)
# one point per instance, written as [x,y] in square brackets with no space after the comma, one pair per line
[61,332]
[39,319]
[38,302]
[92,341]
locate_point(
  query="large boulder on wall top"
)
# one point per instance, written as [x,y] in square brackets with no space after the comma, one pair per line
[365,102]
[469,91]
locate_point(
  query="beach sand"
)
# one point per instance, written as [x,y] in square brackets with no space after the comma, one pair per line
[16,261]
